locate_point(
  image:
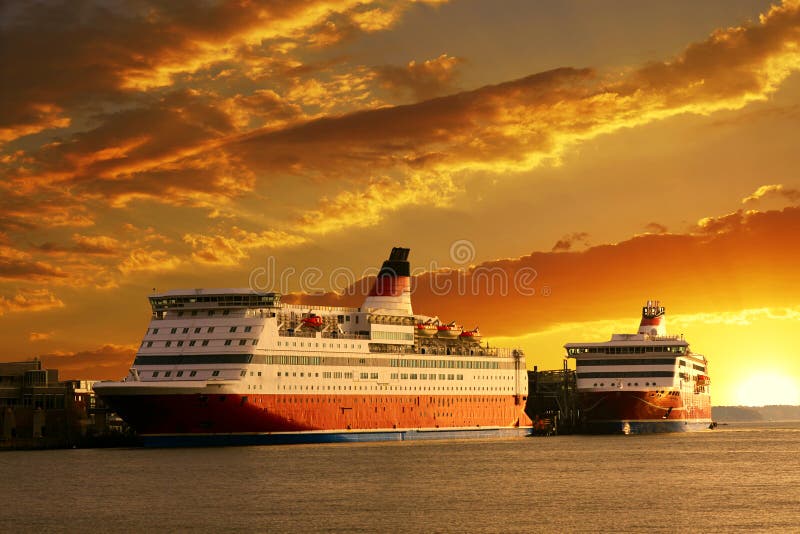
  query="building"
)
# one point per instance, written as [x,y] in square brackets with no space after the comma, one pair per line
[37,410]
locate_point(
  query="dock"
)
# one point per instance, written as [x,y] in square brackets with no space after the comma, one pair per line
[553,401]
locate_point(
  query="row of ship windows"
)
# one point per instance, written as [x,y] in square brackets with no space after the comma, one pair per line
[388,388]
[626,350]
[316,345]
[178,374]
[455,364]
[613,384]
[211,313]
[337,374]
[193,342]
[198,329]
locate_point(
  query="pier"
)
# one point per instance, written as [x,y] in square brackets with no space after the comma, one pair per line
[552,401]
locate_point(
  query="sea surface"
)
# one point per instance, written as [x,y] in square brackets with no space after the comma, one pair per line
[740,477]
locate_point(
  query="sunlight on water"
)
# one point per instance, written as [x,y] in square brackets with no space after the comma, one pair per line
[741,477]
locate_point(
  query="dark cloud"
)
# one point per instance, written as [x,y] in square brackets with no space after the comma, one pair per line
[425,80]
[565,243]
[19,269]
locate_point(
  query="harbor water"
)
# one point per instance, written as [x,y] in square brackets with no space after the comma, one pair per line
[740,477]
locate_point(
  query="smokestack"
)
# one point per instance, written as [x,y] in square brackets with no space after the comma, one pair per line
[391,293]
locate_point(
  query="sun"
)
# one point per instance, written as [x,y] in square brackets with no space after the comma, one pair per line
[765,389]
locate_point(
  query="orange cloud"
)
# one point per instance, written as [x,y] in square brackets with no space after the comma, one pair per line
[146,260]
[114,53]
[40,336]
[773,190]
[234,246]
[367,206]
[30,300]
[702,271]
[109,362]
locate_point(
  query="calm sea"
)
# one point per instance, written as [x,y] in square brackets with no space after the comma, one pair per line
[738,477]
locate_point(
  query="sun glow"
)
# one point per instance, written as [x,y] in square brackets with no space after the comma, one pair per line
[766,389]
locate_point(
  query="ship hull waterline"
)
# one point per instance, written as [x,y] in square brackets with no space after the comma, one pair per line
[643,412]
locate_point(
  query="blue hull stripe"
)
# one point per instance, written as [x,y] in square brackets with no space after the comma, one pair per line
[212,440]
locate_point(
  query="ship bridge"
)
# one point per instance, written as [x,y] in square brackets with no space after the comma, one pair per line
[197,299]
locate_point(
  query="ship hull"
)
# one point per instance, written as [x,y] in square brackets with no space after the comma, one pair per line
[236,419]
[642,412]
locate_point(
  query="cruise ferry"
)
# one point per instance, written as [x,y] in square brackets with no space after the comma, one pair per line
[643,382]
[238,366]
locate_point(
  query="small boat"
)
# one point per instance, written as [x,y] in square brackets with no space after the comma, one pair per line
[313,321]
[471,336]
[448,331]
[426,329]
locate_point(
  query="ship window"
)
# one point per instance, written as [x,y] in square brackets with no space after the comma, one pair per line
[185,330]
[259,373]
[194,312]
[167,374]
[193,373]
[179,373]
[168,344]
[242,341]
[197,330]
[155,330]
[225,312]
[192,342]
[243,373]
[210,313]
[155,374]
[180,343]
[215,373]
[228,342]
[636,383]
[255,342]
[172,331]
[248,328]
[149,343]
[232,329]
[205,342]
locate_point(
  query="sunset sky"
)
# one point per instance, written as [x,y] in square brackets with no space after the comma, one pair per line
[597,153]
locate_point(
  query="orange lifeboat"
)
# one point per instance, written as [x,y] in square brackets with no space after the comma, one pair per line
[471,336]
[448,331]
[313,321]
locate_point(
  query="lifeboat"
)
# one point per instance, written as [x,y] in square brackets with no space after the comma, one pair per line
[448,331]
[426,329]
[703,380]
[313,321]
[471,336]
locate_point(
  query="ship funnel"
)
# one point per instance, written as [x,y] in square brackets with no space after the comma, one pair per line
[654,321]
[391,293]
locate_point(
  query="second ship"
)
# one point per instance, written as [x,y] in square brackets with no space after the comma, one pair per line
[643,382]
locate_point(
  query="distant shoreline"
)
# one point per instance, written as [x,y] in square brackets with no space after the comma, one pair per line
[736,414]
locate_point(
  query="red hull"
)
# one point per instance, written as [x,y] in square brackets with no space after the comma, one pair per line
[233,413]
[605,406]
